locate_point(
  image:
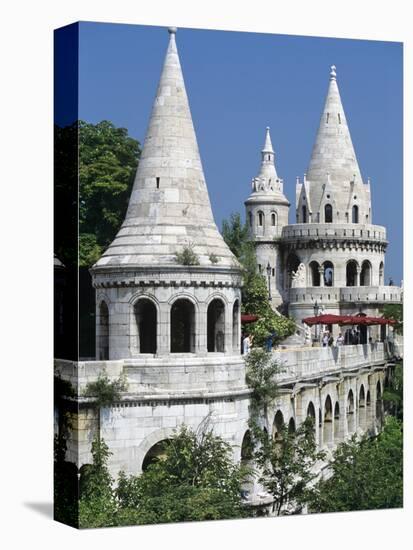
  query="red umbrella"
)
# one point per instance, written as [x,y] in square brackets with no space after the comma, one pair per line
[325,319]
[248,318]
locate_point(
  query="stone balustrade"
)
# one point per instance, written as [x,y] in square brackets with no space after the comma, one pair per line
[349,294]
[334,231]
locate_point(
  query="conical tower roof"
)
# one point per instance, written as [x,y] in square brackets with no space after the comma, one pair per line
[333,155]
[169,207]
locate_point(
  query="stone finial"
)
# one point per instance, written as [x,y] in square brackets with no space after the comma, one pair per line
[333,73]
[172,30]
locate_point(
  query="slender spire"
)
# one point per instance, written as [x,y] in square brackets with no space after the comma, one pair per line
[333,151]
[268,145]
[169,207]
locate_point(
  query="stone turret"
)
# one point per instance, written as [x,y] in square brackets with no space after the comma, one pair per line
[150,297]
[267,213]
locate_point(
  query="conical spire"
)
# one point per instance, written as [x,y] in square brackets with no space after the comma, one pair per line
[267,182]
[169,207]
[333,151]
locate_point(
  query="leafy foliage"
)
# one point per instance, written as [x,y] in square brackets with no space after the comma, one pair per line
[366,474]
[393,395]
[286,464]
[261,372]
[187,256]
[255,291]
[394,311]
[195,480]
[108,159]
[105,391]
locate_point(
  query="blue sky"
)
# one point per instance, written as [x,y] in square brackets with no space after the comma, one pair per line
[238,83]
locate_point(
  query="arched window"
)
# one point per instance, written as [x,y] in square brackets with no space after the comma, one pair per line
[235,328]
[328,213]
[146,322]
[328,422]
[273,219]
[261,219]
[336,422]
[291,426]
[103,335]
[311,414]
[381,274]
[216,326]
[278,425]
[365,274]
[362,408]
[247,447]
[328,274]
[350,413]
[304,213]
[291,266]
[351,273]
[314,273]
[156,453]
[182,326]
[379,405]
[355,214]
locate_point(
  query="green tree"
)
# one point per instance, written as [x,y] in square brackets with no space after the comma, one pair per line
[108,159]
[97,506]
[393,395]
[195,479]
[366,474]
[261,372]
[395,312]
[255,291]
[286,465]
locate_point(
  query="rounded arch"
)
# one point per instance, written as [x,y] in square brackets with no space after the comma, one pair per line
[350,412]
[155,453]
[351,273]
[365,273]
[292,263]
[182,323]
[247,447]
[162,434]
[260,218]
[103,331]
[274,219]
[328,213]
[328,273]
[291,426]
[314,273]
[216,325]
[355,214]
[236,327]
[362,408]
[146,318]
[311,411]
[336,422]
[328,422]
[278,425]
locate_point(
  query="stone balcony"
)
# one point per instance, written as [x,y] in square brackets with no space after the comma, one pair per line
[346,295]
[344,231]
[189,377]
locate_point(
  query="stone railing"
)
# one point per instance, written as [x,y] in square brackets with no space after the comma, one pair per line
[305,363]
[335,231]
[349,294]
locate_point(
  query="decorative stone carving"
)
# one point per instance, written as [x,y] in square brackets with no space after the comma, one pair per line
[298,277]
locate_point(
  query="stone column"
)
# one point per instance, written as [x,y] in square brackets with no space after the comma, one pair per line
[321,272]
[164,330]
[358,271]
[201,346]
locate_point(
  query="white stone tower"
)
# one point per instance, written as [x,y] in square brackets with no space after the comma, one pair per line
[333,254]
[266,214]
[148,301]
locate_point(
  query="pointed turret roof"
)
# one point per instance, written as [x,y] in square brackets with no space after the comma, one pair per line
[169,207]
[267,186]
[333,151]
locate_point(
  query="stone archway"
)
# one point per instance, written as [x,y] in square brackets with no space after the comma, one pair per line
[362,409]
[350,413]
[216,326]
[328,422]
[337,436]
[182,326]
[146,322]
[103,332]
